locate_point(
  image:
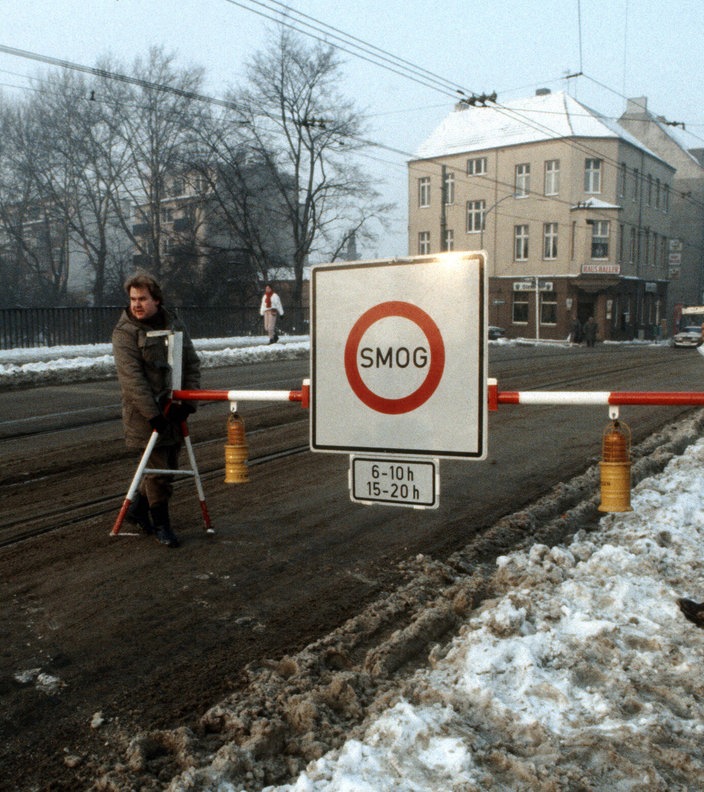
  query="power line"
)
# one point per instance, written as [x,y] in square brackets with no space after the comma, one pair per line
[278,12]
[110,75]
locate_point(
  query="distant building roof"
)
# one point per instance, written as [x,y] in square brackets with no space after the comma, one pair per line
[547,116]
[595,203]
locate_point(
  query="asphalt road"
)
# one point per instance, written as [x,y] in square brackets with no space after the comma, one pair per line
[151,637]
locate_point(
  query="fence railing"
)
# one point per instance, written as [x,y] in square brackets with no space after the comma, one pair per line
[36,327]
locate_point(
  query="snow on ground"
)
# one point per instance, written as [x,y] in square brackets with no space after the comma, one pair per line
[580,674]
[47,365]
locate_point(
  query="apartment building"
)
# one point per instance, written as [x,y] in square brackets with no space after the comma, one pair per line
[226,226]
[672,142]
[572,209]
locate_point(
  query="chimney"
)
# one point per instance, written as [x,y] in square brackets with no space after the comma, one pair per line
[637,106]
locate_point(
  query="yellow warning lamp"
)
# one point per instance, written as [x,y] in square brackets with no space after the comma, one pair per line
[236,451]
[615,467]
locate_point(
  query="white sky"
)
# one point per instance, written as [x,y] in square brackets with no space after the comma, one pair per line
[626,48]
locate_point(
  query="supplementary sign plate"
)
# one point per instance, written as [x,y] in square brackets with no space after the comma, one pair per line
[395,482]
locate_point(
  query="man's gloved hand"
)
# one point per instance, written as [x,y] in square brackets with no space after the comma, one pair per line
[179,412]
[159,423]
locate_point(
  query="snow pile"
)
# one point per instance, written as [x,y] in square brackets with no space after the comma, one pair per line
[580,674]
[46,365]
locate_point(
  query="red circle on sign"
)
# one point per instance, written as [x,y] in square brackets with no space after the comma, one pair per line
[437,357]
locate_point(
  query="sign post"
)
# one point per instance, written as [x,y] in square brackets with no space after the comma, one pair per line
[399,358]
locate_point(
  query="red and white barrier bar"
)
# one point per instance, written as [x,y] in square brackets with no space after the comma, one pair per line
[495,397]
[609,398]
[302,395]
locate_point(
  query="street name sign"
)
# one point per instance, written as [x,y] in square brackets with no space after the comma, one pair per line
[399,356]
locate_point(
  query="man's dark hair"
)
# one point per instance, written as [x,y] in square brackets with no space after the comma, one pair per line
[142,280]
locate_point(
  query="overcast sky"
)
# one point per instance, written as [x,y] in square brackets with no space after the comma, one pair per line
[623,48]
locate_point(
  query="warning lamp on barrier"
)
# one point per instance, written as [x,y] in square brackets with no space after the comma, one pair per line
[236,451]
[615,467]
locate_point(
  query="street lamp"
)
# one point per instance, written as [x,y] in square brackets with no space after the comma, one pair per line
[486,212]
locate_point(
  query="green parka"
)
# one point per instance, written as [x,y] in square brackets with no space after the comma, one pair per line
[145,375]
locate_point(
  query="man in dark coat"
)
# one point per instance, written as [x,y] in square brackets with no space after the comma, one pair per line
[145,383]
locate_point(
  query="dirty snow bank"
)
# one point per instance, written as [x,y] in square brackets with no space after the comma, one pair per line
[579,673]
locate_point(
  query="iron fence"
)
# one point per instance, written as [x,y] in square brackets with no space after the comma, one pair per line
[37,327]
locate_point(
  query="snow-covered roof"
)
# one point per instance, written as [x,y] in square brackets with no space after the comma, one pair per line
[681,137]
[534,119]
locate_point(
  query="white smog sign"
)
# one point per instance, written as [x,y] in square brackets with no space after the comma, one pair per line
[399,356]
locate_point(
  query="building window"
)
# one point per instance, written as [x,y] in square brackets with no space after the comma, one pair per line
[636,185]
[649,194]
[657,193]
[424,191]
[475,216]
[552,177]
[200,184]
[476,167]
[592,175]
[520,247]
[647,247]
[600,239]
[522,179]
[167,214]
[621,243]
[666,198]
[449,240]
[449,188]
[424,242]
[622,176]
[550,240]
[548,308]
[520,308]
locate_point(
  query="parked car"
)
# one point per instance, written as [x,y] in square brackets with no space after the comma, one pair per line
[689,336]
[496,332]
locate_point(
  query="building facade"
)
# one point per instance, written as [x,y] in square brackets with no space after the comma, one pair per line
[686,245]
[572,209]
[215,227]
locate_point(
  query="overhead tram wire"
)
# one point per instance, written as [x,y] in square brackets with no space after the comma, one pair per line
[445,85]
[96,72]
[626,98]
[278,12]
[362,50]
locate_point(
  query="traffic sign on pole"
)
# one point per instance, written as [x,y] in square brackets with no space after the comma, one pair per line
[399,356]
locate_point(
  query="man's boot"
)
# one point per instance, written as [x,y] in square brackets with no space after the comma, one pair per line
[138,514]
[162,525]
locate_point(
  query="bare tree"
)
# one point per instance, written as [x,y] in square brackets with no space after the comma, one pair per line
[34,228]
[297,125]
[85,164]
[156,127]
[248,220]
